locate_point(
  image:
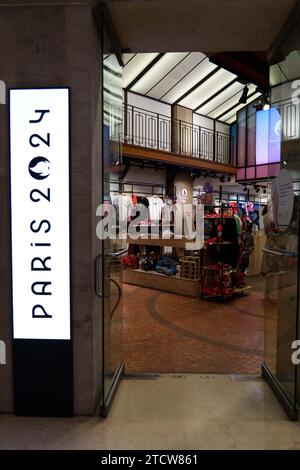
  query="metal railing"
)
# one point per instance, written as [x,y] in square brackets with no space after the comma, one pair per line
[153,130]
[289,111]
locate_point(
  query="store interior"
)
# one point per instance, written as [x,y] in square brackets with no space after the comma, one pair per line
[188,309]
[202,310]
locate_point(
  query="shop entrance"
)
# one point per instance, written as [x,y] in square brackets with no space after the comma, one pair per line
[188,310]
[182,311]
[212,144]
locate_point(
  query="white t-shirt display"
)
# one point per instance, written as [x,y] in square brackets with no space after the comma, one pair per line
[155,207]
[166,210]
[122,203]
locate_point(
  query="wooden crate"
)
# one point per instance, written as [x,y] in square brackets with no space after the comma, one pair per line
[190,267]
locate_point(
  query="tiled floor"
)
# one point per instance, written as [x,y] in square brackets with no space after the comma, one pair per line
[169,333]
[192,412]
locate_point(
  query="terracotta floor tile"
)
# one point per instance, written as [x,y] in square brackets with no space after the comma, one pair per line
[168,333]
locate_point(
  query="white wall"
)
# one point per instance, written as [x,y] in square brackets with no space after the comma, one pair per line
[227,187]
[222,127]
[145,175]
[207,122]
[149,104]
[203,121]
[163,108]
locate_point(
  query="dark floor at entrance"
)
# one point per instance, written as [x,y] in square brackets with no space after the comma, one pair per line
[167,333]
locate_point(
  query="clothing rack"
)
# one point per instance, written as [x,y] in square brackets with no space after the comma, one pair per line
[252,198]
[158,189]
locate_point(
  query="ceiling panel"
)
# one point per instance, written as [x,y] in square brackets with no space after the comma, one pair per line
[135,66]
[127,57]
[175,74]
[233,112]
[208,88]
[229,103]
[276,75]
[219,100]
[231,120]
[182,70]
[291,66]
[195,76]
[157,72]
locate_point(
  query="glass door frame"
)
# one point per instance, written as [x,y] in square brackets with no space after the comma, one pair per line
[285,382]
[106,29]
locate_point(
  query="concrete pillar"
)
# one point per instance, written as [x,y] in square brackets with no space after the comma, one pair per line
[57,44]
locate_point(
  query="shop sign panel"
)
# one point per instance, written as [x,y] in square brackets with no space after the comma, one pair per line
[40,212]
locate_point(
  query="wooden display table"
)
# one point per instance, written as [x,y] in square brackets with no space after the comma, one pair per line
[161,282]
[174,242]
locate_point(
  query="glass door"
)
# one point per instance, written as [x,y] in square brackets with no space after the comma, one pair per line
[109,262]
[281,253]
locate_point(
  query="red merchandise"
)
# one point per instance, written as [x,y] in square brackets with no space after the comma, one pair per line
[130,261]
[211,240]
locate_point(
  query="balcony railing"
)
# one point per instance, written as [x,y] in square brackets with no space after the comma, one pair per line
[153,130]
[289,111]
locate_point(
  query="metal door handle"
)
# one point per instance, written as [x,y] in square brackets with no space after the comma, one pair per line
[98,278]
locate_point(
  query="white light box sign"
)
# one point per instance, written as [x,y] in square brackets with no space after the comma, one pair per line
[40,232]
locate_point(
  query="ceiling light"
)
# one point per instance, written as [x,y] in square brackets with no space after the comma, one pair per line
[244,95]
[265,102]
[262,103]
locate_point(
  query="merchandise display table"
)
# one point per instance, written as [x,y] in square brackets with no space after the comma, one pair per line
[161,282]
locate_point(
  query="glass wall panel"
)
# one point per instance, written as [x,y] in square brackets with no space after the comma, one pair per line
[241,148]
[112,119]
[281,257]
[251,135]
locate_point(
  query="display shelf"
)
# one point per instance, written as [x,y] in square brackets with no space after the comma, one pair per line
[236,290]
[240,290]
[174,242]
[220,243]
[217,218]
[225,271]
[278,252]
[215,277]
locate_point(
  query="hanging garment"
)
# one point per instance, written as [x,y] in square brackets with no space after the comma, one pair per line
[166,211]
[143,201]
[122,204]
[155,207]
[239,226]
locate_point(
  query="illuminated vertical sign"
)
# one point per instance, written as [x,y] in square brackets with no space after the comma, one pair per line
[268,136]
[39,172]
